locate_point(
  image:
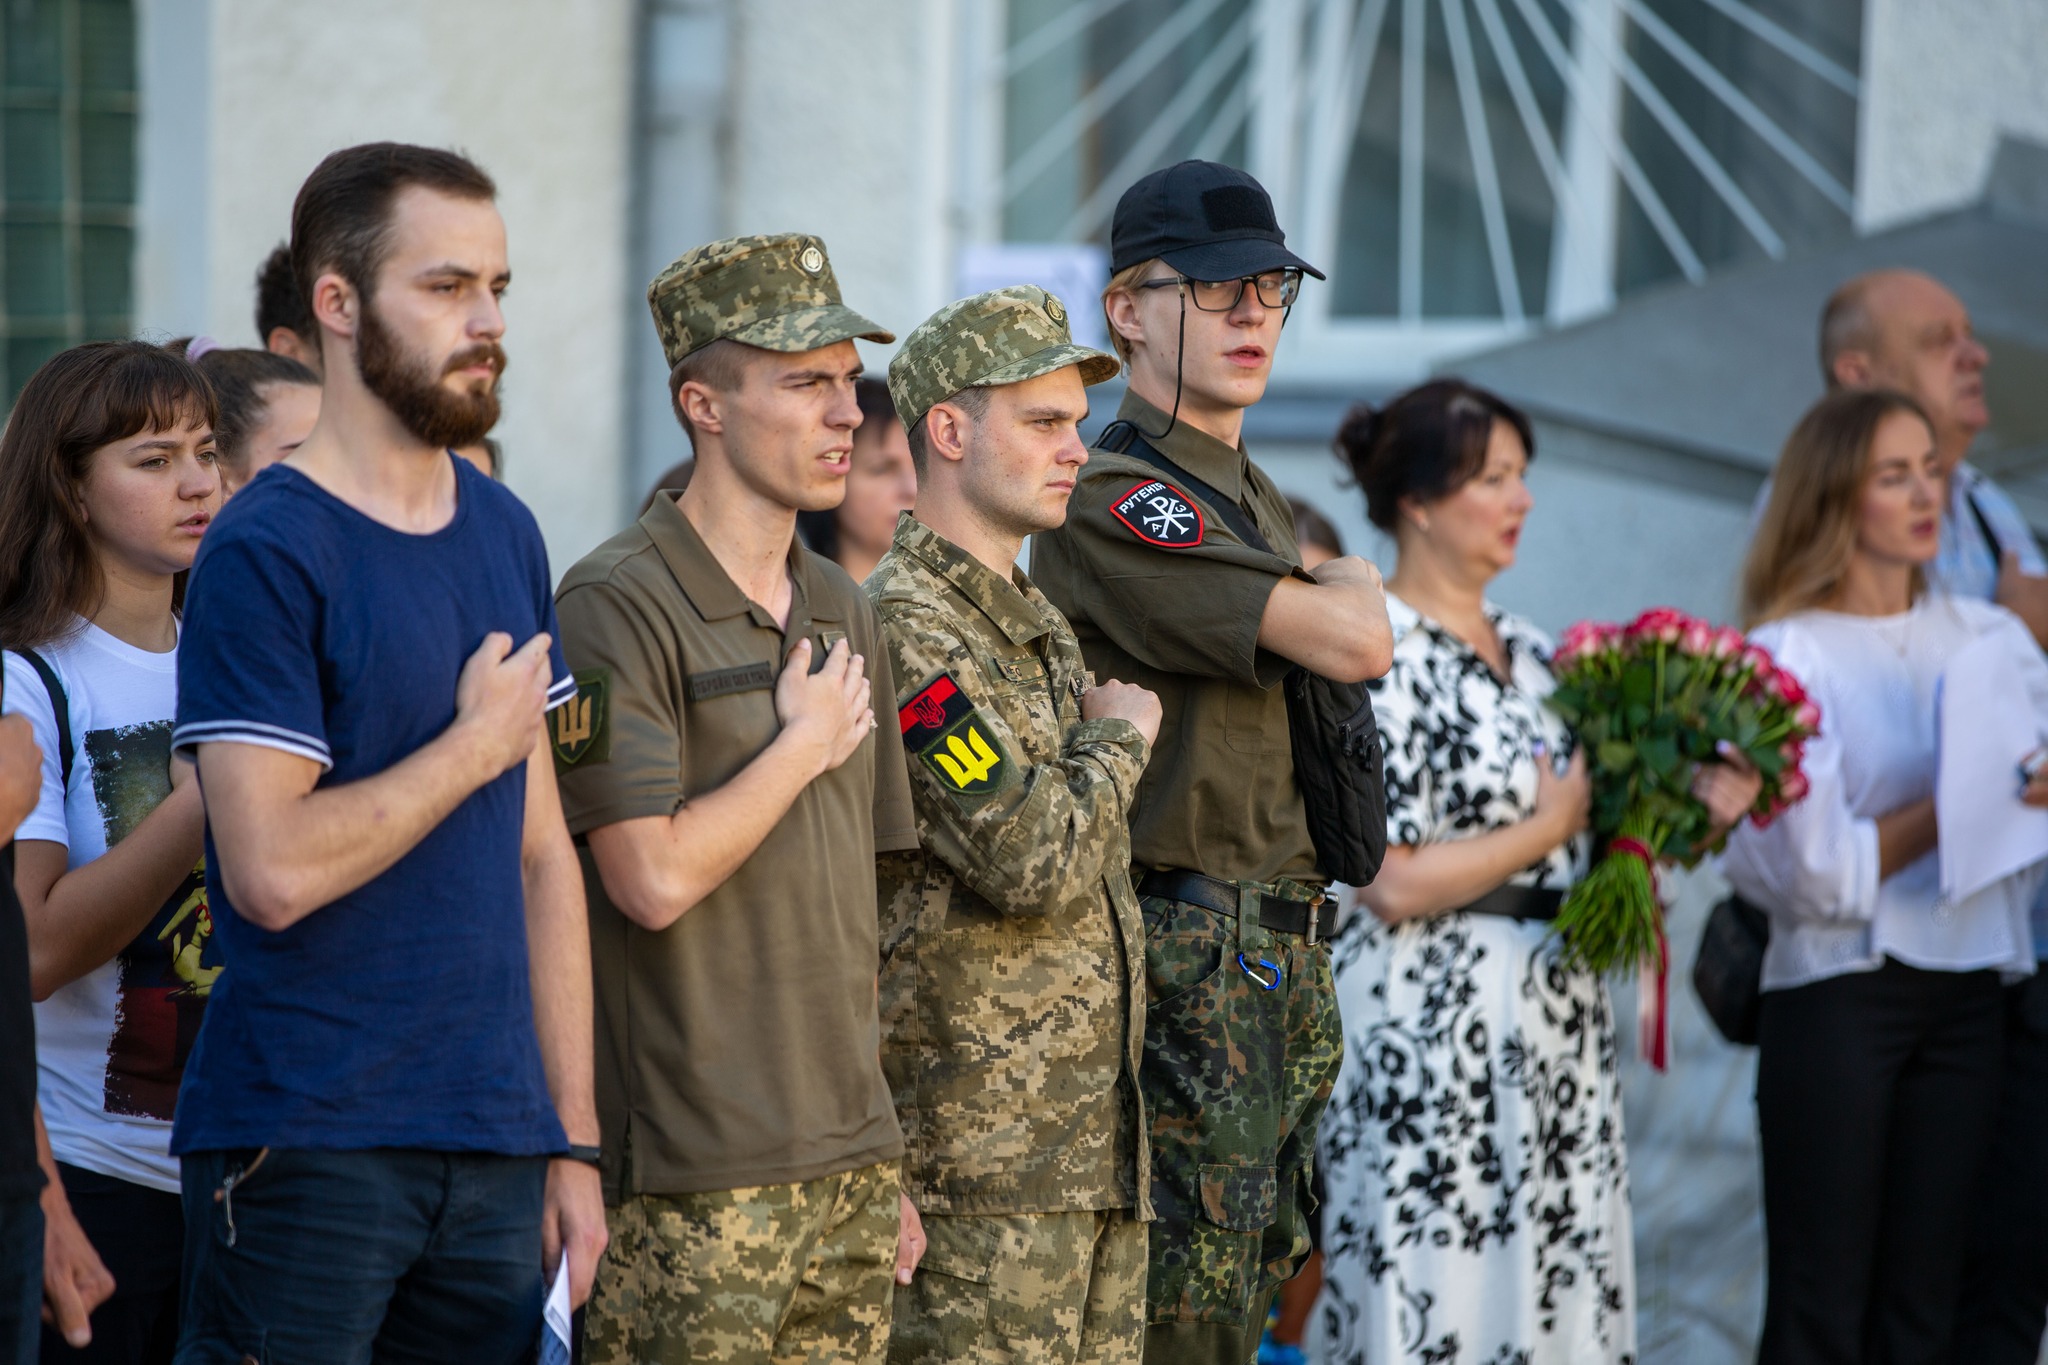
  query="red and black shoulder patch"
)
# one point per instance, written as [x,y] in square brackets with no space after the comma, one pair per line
[943,730]
[1160,514]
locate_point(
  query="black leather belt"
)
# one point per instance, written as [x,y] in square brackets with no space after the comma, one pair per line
[1314,920]
[1517,902]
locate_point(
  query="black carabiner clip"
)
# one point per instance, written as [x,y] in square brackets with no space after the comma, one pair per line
[1264,984]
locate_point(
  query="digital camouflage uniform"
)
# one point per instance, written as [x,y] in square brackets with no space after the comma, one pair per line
[1012,979]
[751,1153]
[1236,1075]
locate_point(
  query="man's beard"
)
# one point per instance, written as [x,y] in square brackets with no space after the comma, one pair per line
[409,387]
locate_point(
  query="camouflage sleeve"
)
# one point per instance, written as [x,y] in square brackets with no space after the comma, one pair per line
[1018,834]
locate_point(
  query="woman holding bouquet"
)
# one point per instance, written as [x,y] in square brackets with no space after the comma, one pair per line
[1478,1184]
[1878,1046]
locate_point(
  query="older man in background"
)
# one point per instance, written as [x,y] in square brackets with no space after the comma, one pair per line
[1900,329]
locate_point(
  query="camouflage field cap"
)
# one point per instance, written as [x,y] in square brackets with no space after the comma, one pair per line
[776,292]
[1004,336]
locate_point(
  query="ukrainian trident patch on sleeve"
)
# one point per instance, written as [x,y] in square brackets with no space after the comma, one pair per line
[1160,514]
[580,729]
[947,734]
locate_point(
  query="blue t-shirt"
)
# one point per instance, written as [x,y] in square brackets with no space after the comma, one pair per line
[400,1015]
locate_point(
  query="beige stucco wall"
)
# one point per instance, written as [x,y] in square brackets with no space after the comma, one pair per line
[539,92]
[1942,79]
[858,147]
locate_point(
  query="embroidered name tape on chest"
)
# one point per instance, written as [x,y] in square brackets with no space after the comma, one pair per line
[722,681]
[943,728]
[1160,514]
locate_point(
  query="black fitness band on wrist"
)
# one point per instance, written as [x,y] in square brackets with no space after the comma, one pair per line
[589,1156]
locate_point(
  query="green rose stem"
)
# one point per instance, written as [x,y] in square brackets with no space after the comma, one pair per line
[1609,921]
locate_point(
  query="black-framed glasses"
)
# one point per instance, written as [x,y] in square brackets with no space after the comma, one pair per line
[1277,289]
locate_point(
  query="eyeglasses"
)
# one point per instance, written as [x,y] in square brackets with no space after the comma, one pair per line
[1277,289]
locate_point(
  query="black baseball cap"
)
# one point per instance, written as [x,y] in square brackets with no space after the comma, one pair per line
[1208,221]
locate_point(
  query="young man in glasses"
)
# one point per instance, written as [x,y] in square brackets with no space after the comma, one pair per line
[1178,569]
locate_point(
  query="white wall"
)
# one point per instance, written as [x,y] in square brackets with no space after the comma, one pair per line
[538,91]
[858,148]
[1941,80]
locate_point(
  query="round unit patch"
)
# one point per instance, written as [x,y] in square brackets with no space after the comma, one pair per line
[813,260]
[1160,514]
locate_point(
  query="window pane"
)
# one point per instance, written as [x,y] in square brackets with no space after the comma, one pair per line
[35,53]
[35,157]
[105,255]
[25,356]
[106,158]
[106,34]
[35,271]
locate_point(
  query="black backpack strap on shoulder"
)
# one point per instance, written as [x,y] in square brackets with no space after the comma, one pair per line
[1984,524]
[1234,516]
[60,707]
[1117,436]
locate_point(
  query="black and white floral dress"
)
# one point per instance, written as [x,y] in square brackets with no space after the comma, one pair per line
[1478,1208]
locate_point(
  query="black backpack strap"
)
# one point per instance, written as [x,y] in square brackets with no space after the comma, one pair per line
[1234,516]
[60,706]
[1984,524]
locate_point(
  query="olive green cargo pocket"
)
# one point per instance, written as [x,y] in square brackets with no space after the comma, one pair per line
[1241,1198]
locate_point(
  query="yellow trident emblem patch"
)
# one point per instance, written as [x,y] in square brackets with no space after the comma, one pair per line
[968,763]
[942,728]
[580,729]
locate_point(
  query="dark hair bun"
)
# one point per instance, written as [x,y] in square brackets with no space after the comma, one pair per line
[1424,444]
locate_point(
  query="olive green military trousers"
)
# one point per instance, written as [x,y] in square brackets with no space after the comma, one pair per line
[797,1274]
[1242,1043]
[1026,1289]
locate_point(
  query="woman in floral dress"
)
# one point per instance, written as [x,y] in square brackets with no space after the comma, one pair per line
[1477,1179]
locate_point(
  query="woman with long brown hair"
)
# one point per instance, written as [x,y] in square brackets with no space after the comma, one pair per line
[1878,1047]
[107,483]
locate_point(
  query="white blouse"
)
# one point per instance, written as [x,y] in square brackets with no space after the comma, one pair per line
[1815,870]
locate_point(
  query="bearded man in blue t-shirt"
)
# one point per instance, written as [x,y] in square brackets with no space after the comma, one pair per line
[387,1121]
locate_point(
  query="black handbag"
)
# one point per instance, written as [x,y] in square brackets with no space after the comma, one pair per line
[1728,973]
[1331,730]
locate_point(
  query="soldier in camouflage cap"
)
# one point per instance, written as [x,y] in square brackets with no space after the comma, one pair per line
[776,292]
[1012,977]
[722,764]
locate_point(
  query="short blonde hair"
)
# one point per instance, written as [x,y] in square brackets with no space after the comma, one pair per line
[1124,281]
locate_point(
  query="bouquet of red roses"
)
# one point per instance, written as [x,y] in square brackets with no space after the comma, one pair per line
[1651,701]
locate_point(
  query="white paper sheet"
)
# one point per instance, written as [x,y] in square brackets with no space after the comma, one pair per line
[554,1316]
[1986,727]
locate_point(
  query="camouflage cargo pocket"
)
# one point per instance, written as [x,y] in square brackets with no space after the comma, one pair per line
[1241,1198]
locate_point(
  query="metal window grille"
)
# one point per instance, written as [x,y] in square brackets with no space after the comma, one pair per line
[67,178]
[1463,168]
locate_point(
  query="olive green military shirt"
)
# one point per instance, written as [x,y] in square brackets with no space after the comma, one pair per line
[1163,594]
[739,1045]
[1013,986]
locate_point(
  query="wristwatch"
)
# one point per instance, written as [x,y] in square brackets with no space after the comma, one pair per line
[589,1156]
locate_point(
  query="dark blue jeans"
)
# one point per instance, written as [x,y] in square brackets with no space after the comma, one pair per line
[21,1278]
[343,1258]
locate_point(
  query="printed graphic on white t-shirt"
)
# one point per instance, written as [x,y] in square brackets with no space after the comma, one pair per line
[111,1046]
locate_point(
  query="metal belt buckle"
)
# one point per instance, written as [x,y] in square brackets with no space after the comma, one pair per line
[1314,917]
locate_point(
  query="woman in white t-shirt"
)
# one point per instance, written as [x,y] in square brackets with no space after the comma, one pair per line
[1878,1049]
[107,482]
